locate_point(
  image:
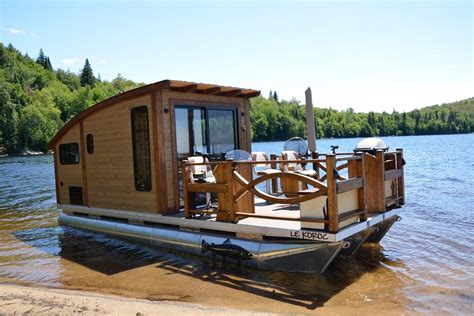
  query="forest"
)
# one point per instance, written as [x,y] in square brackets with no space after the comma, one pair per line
[279,120]
[36,100]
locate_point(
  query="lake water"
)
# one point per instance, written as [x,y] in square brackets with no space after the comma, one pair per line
[425,262]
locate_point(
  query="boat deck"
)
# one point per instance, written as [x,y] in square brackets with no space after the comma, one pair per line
[255,228]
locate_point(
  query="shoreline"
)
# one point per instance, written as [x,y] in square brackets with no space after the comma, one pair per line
[16,299]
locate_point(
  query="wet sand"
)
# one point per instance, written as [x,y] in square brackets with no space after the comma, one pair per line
[24,300]
[141,291]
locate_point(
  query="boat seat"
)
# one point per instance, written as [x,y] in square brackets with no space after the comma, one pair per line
[202,173]
[290,187]
[294,166]
[263,169]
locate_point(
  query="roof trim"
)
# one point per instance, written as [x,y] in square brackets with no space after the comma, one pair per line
[174,85]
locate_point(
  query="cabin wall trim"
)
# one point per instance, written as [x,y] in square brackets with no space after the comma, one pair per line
[82,146]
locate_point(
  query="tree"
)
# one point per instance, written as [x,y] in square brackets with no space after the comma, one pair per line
[47,64]
[87,75]
[275,96]
[40,121]
[41,58]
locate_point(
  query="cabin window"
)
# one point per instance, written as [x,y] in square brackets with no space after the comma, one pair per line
[69,154]
[222,138]
[201,130]
[90,144]
[141,149]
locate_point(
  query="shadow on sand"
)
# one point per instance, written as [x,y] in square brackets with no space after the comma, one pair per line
[110,256]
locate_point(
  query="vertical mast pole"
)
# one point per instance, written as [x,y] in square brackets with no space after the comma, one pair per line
[310,121]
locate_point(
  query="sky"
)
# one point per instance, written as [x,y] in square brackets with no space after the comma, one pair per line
[368,55]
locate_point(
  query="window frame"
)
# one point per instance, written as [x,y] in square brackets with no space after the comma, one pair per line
[62,157]
[148,173]
[90,143]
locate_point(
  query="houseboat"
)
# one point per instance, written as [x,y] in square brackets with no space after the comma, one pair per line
[171,164]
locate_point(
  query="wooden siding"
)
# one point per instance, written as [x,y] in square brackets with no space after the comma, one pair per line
[68,175]
[168,101]
[107,175]
[109,169]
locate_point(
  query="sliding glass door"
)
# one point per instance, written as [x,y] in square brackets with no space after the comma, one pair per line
[204,131]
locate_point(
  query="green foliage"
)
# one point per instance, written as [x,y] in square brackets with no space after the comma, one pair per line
[87,75]
[466,105]
[272,120]
[43,60]
[36,101]
[39,121]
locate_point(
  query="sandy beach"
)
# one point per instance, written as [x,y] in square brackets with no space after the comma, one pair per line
[26,300]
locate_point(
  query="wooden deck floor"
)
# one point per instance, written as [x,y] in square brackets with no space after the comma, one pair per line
[261,208]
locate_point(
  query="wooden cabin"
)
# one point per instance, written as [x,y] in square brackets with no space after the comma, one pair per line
[148,151]
[125,152]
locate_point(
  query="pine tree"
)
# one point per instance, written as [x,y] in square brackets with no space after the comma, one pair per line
[41,58]
[270,95]
[47,64]
[275,96]
[87,76]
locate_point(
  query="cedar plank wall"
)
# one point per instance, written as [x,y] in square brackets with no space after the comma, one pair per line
[109,169]
[168,100]
[69,175]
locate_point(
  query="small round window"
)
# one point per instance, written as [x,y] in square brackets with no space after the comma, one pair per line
[90,144]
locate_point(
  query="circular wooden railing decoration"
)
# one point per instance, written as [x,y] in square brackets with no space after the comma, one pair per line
[250,187]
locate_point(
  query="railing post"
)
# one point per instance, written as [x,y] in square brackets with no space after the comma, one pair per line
[230,190]
[273,165]
[363,190]
[380,180]
[333,213]
[401,185]
[186,176]
[315,155]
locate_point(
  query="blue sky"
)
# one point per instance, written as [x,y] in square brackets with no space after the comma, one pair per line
[369,55]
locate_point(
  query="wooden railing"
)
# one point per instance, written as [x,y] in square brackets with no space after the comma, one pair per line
[236,186]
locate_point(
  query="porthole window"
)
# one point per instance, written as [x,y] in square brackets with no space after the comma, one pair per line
[69,154]
[90,144]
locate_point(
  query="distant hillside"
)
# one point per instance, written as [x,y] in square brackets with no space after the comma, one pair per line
[36,100]
[466,106]
[279,120]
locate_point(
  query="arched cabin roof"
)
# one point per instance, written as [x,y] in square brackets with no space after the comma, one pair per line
[174,85]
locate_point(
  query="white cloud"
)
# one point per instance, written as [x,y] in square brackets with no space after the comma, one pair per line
[13,30]
[69,61]
[17,31]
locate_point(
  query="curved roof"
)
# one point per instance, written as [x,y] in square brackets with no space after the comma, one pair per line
[175,85]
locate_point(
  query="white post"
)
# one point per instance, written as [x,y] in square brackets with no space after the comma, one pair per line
[310,121]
